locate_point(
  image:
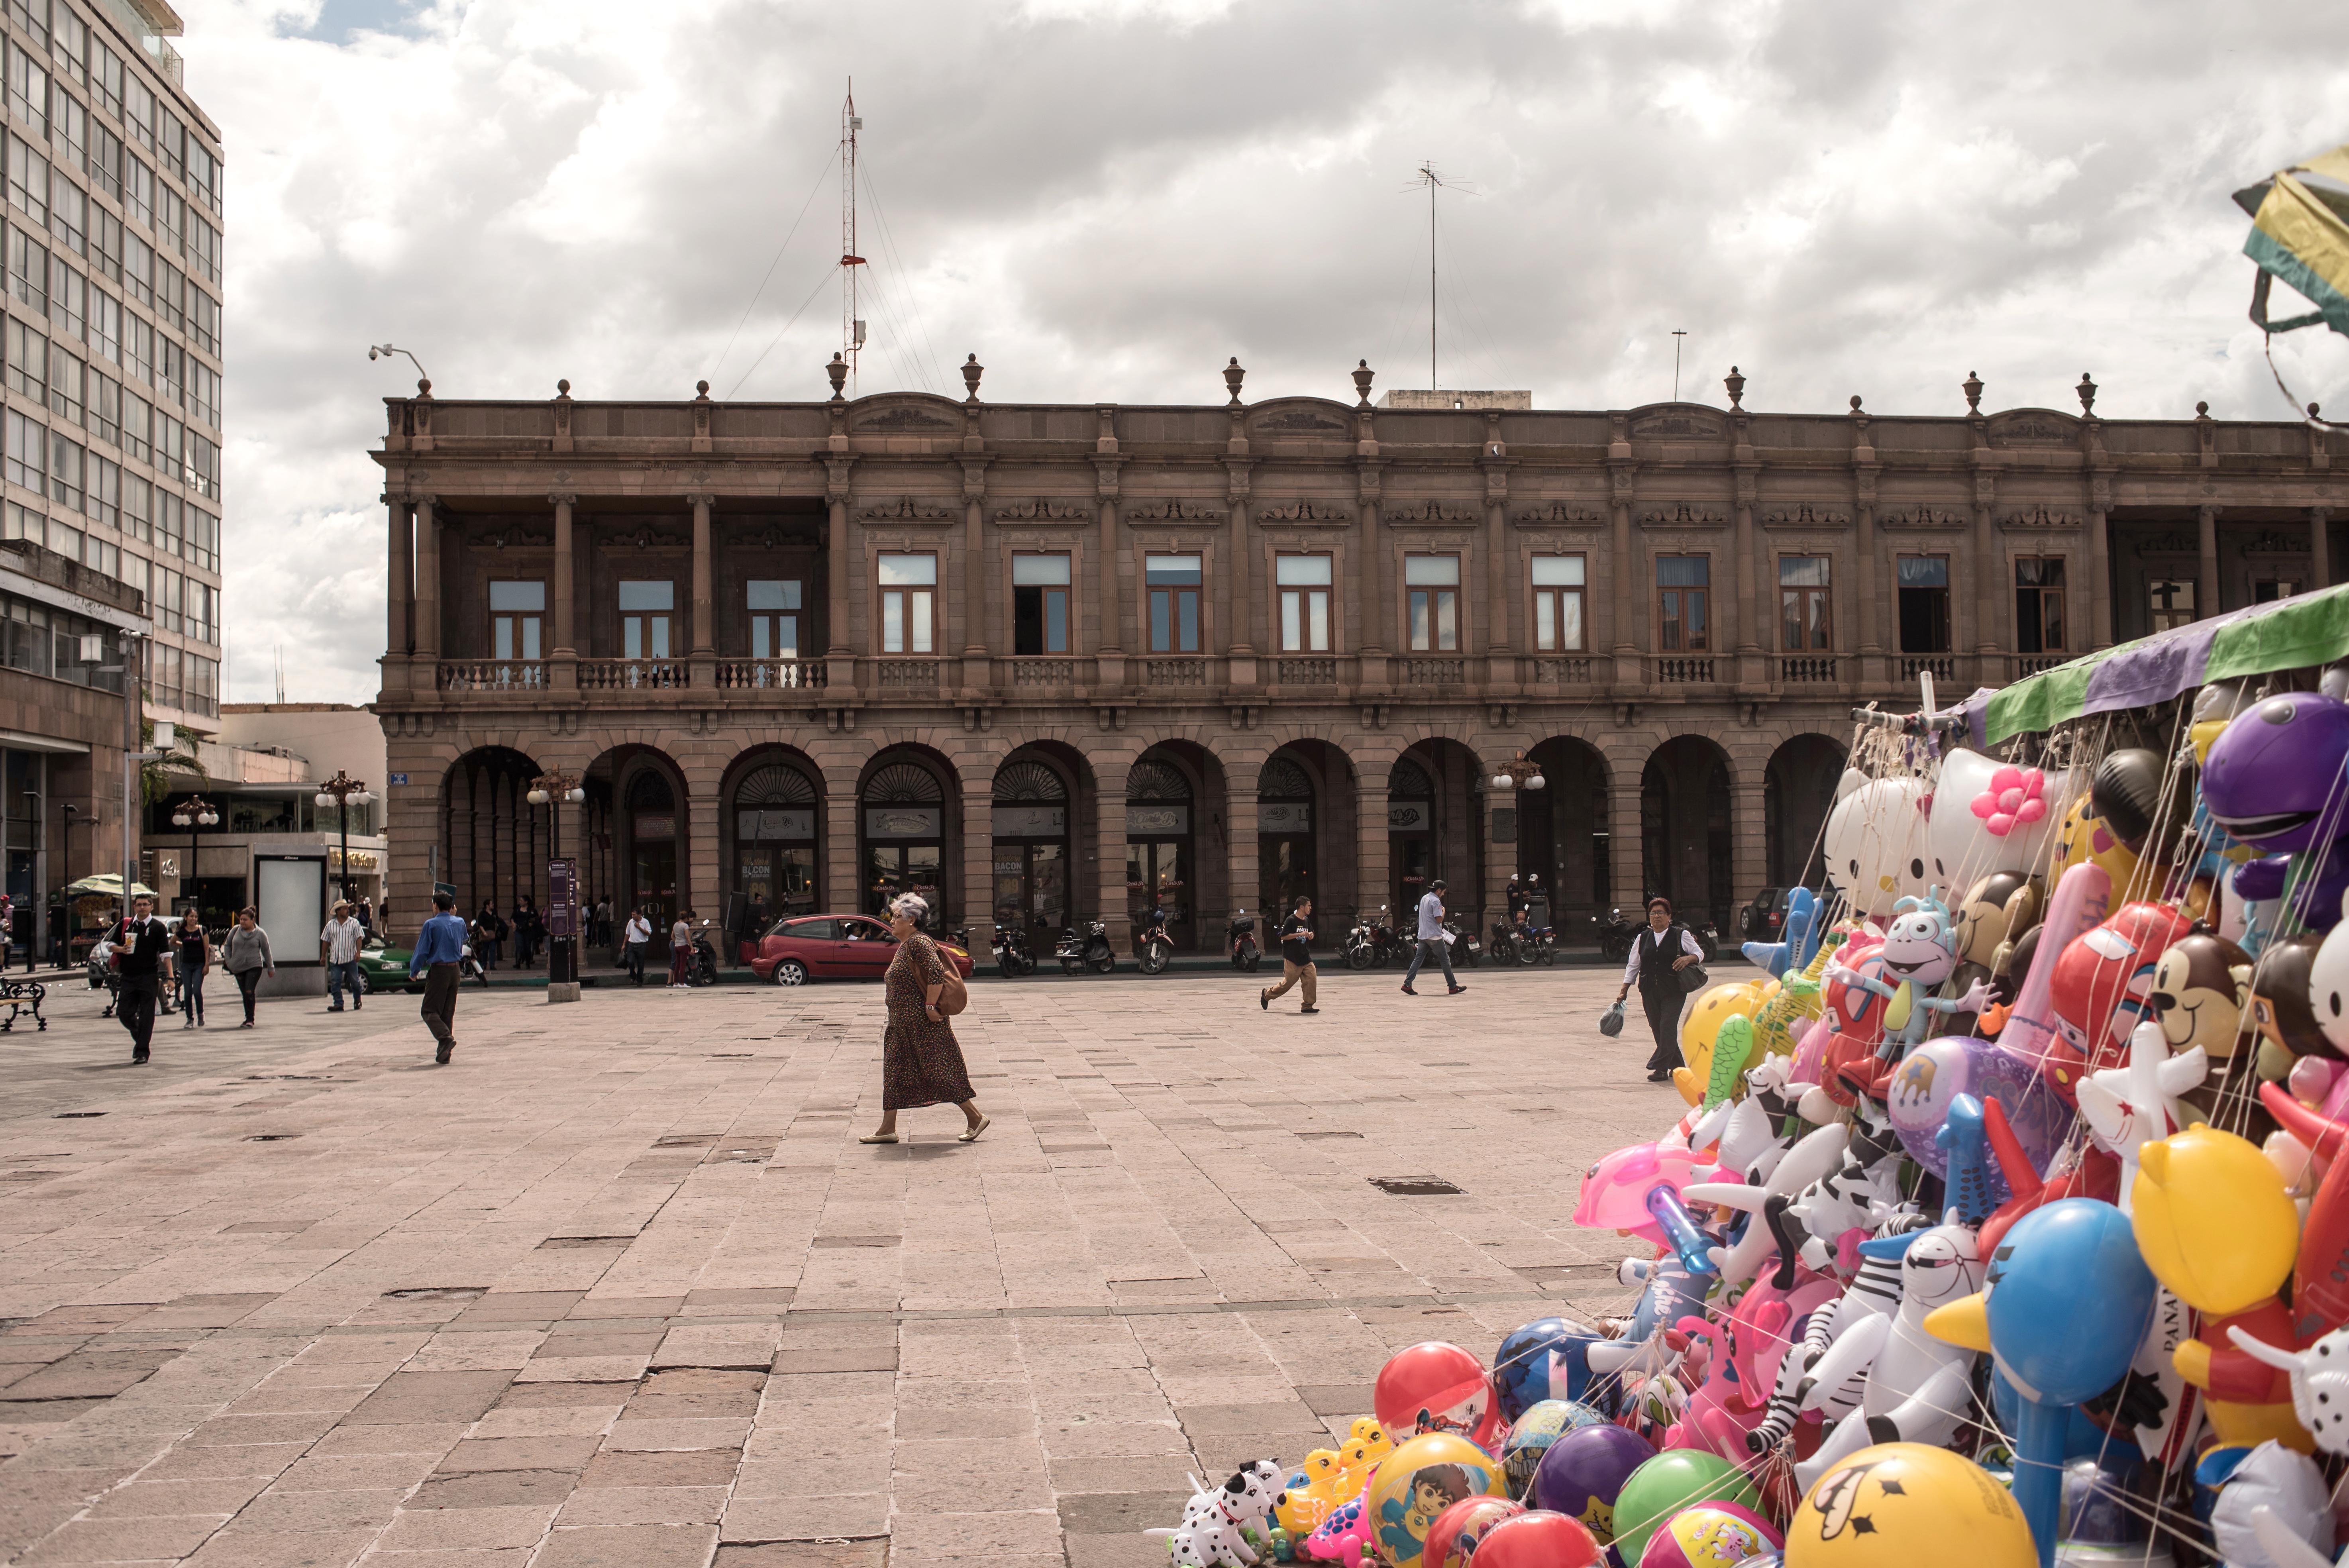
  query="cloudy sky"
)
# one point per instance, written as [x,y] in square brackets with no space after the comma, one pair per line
[1106,199]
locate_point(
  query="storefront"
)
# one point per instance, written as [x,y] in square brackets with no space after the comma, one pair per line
[651,824]
[1285,826]
[1158,857]
[1031,853]
[904,809]
[776,834]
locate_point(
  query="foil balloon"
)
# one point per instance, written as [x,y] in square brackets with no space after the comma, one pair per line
[1418,1481]
[1546,1359]
[1459,1529]
[1534,1539]
[1434,1388]
[1712,1535]
[1904,1505]
[1675,1480]
[1929,1081]
[2125,792]
[1583,1473]
[1532,1433]
[2273,782]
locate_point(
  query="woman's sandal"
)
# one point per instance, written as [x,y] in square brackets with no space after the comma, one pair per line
[878,1138]
[970,1135]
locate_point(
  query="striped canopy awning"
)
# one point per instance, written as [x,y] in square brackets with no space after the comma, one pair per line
[2289,633]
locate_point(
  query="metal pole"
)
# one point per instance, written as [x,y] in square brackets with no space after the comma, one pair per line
[131,749]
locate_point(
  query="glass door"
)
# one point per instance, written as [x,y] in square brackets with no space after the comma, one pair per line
[896,870]
[1031,891]
[1158,876]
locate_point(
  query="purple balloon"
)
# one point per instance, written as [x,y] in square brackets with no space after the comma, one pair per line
[1586,1467]
[1936,1072]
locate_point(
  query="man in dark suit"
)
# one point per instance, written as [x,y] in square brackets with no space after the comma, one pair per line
[143,946]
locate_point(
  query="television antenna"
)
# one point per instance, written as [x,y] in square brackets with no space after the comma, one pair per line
[852,326]
[1431,181]
[1678,332]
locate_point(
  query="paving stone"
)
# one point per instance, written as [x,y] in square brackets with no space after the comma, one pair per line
[410,1397]
[519,1454]
[123,1540]
[493,1488]
[629,1546]
[644,1505]
[467,1529]
[868,1553]
[666,1468]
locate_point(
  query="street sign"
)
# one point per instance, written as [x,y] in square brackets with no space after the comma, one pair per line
[449,888]
[563,901]
[400,779]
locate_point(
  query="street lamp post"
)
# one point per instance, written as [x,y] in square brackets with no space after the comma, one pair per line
[551,789]
[343,792]
[192,813]
[1517,776]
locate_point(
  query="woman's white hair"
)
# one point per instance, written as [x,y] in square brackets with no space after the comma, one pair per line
[911,905]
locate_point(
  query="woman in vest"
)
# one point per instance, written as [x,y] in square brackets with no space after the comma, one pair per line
[1657,956]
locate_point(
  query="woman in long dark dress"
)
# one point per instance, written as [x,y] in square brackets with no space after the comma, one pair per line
[921,1063]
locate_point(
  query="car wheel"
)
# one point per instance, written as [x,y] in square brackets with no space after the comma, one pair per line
[790,972]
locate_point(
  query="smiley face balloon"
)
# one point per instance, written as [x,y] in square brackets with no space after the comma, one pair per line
[1904,1505]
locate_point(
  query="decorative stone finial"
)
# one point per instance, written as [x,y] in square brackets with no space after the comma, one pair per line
[2202,410]
[1735,382]
[971,371]
[838,371]
[1973,389]
[2088,390]
[1233,375]
[1363,375]
[701,389]
[2311,410]
[562,389]
[1855,403]
[423,387]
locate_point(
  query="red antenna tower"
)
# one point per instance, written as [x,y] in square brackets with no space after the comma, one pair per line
[852,326]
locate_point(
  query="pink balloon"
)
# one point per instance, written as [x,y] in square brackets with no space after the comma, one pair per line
[2008,799]
[1811,1052]
[2030,810]
[1999,825]
[1985,804]
[2006,777]
[2035,782]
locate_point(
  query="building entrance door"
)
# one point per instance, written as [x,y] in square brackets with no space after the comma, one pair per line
[1158,876]
[655,887]
[898,869]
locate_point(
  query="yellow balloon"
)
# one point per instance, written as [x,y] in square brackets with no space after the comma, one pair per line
[2085,838]
[2214,1220]
[1905,1505]
[1702,1026]
[1419,1481]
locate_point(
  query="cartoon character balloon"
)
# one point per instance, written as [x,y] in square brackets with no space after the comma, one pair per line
[1548,1358]
[1874,844]
[1901,1505]
[2274,782]
[1989,817]
[1417,1482]
[1434,1388]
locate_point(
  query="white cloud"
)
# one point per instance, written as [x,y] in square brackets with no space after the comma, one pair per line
[1107,198]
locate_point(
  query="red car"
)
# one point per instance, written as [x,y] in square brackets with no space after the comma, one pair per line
[801,948]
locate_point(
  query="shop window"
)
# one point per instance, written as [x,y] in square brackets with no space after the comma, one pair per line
[1433,583]
[1924,592]
[1303,582]
[1558,604]
[516,610]
[1172,583]
[1684,614]
[2039,604]
[1039,603]
[908,604]
[1804,626]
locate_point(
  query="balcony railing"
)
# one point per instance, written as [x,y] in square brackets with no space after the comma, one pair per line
[1941,666]
[1174,672]
[1305,672]
[1677,669]
[2020,665]
[770,674]
[633,675]
[1809,669]
[494,674]
[906,675]
[1564,672]
[1435,671]
[1028,671]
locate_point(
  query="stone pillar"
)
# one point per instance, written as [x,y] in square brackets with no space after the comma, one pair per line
[1497,590]
[565,653]
[1750,649]
[2100,580]
[2319,546]
[427,589]
[1110,614]
[1989,571]
[705,594]
[979,861]
[400,596]
[1627,872]
[1372,882]
[1868,592]
[840,658]
[976,578]
[1244,886]
[1109,896]
[1378,610]
[703,884]
[2205,588]
[1622,563]
[1749,842]
[843,883]
[1240,629]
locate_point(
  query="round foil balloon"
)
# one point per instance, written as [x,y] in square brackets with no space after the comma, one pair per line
[1418,1481]
[1904,1505]
[1922,1088]
[1712,1535]
[1530,1437]
[1453,1539]
[1548,1358]
[1583,1473]
[1675,1480]
[1436,1387]
[1537,1540]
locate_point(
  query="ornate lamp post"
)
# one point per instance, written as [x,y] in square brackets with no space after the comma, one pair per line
[342,792]
[1515,776]
[551,789]
[192,813]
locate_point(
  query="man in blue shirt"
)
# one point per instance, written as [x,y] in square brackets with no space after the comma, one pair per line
[1432,938]
[440,948]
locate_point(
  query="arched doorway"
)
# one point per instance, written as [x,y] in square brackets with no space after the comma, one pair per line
[1160,858]
[494,844]
[1033,823]
[1287,856]
[1563,834]
[648,816]
[1797,791]
[1434,830]
[1685,828]
[1411,832]
[774,820]
[908,831]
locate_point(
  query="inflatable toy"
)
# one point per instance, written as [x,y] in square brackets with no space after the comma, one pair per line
[1418,1481]
[1904,1505]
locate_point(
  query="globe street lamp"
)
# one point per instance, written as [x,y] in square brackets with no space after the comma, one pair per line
[1519,775]
[343,792]
[192,813]
[552,790]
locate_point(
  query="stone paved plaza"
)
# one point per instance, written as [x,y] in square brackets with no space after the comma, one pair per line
[620,1286]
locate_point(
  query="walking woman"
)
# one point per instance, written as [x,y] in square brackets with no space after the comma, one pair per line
[1659,980]
[195,958]
[245,955]
[921,1062]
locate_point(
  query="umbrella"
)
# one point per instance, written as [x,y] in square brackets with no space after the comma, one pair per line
[109,883]
[2300,232]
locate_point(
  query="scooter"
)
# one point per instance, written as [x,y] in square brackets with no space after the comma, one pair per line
[1155,948]
[469,966]
[1616,935]
[1012,958]
[702,970]
[1239,938]
[1090,950]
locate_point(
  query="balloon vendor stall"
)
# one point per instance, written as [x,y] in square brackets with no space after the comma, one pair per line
[2006,1222]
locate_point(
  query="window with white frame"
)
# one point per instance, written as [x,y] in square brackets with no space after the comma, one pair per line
[1039,603]
[1558,604]
[1432,585]
[1303,584]
[774,606]
[517,610]
[908,604]
[1173,584]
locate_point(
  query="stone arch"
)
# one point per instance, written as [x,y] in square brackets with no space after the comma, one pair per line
[636,840]
[772,828]
[494,844]
[1798,785]
[1307,833]
[909,830]
[1177,840]
[1564,831]
[1040,827]
[1687,831]
[1435,826]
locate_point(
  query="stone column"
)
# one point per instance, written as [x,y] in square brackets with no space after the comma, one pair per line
[1750,650]
[1377,612]
[1868,590]
[844,885]
[1989,571]
[1109,646]
[400,596]
[1625,609]
[1749,842]
[979,861]
[1627,873]
[976,578]
[2205,588]
[1244,886]
[1109,896]
[839,656]
[1372,880]
[2319,546]
[427,589]
[1496,587]
[1239,629]
[564,654]
[705,596]
[2100,580]
[704,885]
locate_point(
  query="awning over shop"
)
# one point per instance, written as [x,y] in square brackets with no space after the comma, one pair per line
[2289,633]
[107,885]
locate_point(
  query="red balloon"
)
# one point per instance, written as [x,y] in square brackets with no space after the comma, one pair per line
[1535,1538]
[1458,1532]
[1436,1387]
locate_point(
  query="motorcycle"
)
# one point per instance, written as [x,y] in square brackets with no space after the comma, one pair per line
[1466,949]
[1089,951]
[1708,936]
[1239,938]
[1504,945]
[1153,946]
[1012,958]
[702,968]
[1372,943]
[1616,935]
[1541,945]
[469,966]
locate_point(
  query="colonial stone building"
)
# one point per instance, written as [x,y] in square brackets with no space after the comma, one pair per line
[1050,661]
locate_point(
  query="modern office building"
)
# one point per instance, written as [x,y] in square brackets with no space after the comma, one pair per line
[111,486]
[1044,661]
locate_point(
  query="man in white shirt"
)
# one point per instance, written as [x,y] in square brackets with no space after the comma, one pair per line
[339,950]
[633,939]
[1432,938]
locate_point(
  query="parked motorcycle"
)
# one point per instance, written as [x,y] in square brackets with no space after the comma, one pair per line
[1239,940]
[1616,935]
[702,968]
[1541,945]
[1153,946]
[1708,936]
[1372,943]
[469,967]
[1012,958]
[1466,949]
[1504,945]
[1089,949]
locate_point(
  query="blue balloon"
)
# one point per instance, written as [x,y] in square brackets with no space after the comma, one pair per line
[1548,1358]
[1804,929]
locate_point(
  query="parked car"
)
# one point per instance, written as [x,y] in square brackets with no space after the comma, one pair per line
[798,949]
[383,968]
[1765,917]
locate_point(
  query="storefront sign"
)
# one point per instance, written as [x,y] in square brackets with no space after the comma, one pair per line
[901,822]
[563,898]
[1284,817]
[1407,815]
[663,826]
[785,825]
[1150,821]
[1031,821]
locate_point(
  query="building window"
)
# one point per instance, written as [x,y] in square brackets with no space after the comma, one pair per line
[28,453]
[1432,582]
[1558,604]
[1683,617]
[2039,604]
[1173,581]
[908,604]
[644,610]
[1304,584]
[774,606]
[1924,589]
[2171,600]
[515,611]
[1039,603]
[1803,623]
[2268,589]
[28,362]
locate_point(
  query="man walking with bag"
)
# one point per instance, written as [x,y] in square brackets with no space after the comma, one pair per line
[439,951]
[1659,978]
[1432,938]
